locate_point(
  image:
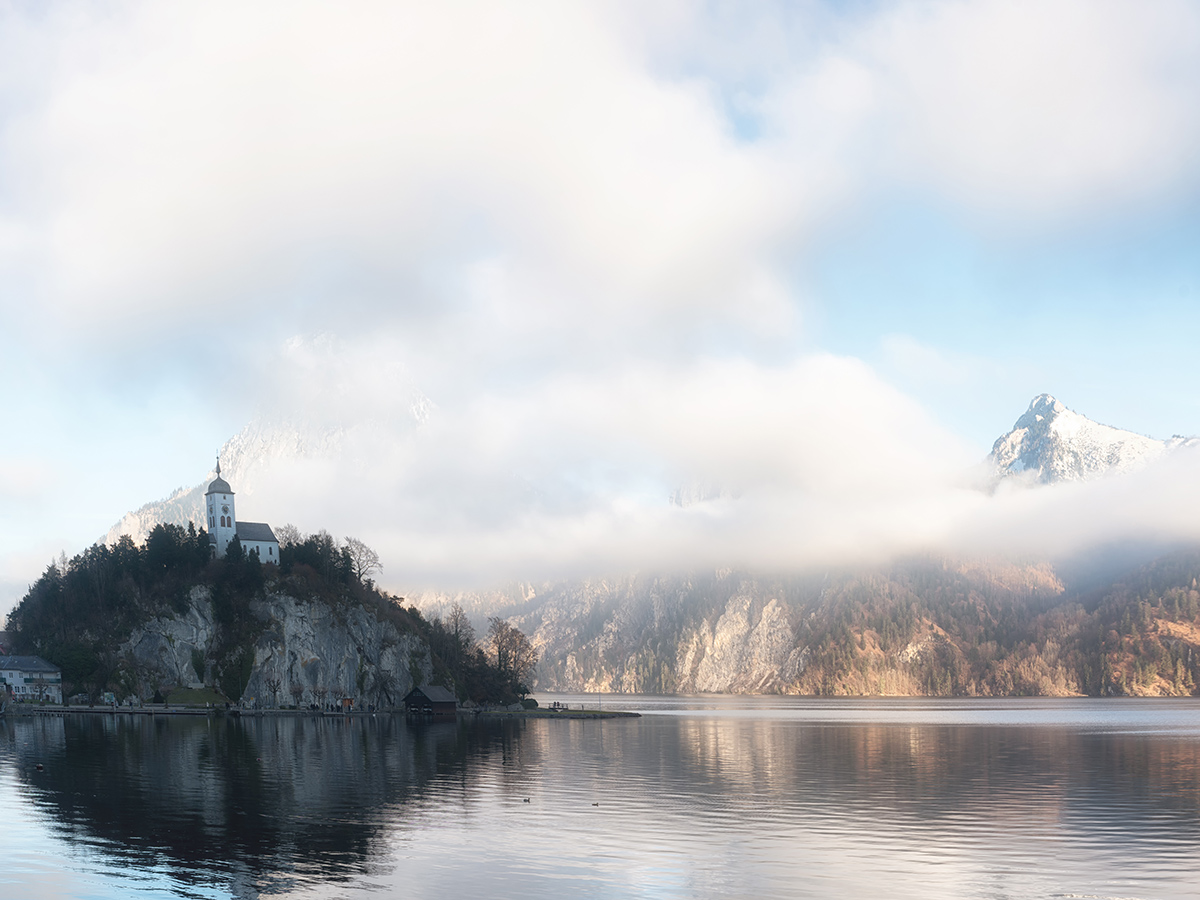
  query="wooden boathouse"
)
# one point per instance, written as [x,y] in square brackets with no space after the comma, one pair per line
[430,700]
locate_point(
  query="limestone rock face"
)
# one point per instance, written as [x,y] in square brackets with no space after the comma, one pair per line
[855,631]
[309,646]
[162,651]
[744,652]
[714,633]
[308,651]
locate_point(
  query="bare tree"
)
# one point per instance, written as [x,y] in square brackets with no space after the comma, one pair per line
[297,690]
[320,692]
[385,684]
[288,535]
[515,656]
[363,560]
[39,683]
[273,685]
[460,626]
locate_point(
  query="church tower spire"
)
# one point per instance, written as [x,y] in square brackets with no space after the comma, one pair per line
[222,521]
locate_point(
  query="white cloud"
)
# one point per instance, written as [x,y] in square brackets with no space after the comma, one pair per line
[1052,110]
[575,473]
[183,162]
[1156,503]
[575,228]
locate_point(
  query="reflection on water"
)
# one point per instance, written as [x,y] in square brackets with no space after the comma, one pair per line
[272,801]
[744,798]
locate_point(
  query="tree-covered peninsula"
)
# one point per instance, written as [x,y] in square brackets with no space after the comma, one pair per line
[140,620]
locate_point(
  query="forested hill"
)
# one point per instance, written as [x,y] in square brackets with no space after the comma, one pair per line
[920,627]
[140,620]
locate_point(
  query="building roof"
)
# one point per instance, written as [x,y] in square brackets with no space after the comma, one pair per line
[219,486]
[434,693]
[27,664]
[255,531]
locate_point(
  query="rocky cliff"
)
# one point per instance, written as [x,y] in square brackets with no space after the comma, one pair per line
[303,651]
[932,627]
[721,632]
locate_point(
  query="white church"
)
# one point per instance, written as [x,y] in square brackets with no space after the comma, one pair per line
[223,525]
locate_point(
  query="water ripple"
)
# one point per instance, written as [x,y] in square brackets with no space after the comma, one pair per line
[773,799]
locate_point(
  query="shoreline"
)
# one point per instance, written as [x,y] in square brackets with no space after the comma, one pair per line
[32,711]
[540,713]
[29,711]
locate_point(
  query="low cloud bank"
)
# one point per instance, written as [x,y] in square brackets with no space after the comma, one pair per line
[816,462]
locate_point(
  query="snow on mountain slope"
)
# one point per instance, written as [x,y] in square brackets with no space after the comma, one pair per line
[1051,443]
[243,457]
[248,458]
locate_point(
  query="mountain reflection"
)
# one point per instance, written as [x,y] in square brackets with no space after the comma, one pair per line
[930,778]
[927,771]
[266,801]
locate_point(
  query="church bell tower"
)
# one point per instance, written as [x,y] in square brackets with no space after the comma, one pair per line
[222,522]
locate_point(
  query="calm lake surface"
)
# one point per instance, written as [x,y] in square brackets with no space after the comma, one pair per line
[701,797]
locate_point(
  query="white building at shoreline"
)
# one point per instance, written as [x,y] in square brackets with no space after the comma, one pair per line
[31,679]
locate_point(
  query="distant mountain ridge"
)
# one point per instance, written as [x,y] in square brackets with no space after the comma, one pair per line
[922,626]
[1050,443]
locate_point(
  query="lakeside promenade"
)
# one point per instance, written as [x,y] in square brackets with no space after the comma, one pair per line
[16,710]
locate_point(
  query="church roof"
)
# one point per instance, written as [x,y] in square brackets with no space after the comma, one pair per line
[219,486]
[255,531]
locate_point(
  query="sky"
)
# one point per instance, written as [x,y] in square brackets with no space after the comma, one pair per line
[815,257]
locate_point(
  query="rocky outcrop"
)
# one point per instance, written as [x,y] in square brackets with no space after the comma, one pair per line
[172,650]
[309,645]
[745,651]
[716,633]
[307,650]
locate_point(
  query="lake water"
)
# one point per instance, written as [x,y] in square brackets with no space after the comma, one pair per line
[701,797]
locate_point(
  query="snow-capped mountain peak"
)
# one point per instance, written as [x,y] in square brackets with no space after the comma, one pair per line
[1051,443]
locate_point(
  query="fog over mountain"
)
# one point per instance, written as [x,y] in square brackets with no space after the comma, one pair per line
[451,509]
[253,459]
